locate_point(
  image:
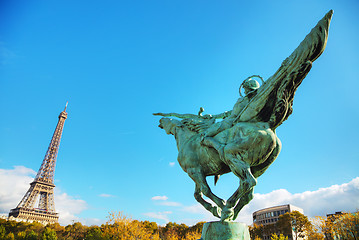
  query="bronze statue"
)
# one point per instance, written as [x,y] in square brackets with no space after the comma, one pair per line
[244,142]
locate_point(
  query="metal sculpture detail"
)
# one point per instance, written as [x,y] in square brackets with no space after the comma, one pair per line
[244,142]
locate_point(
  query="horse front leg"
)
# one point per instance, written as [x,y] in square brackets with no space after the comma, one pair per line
[216,211]
[202,187]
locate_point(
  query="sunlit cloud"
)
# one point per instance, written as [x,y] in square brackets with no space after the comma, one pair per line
[162,200]
[159,215]
[13,185]
[159,198]
[68,207]
[344,197]
[15,182]
[172,164]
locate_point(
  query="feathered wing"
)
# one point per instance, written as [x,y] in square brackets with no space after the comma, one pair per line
[274,99]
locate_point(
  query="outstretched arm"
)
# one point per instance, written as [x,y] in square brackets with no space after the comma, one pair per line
[222,115]
[178,115]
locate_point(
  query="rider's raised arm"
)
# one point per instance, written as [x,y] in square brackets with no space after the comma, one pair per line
[177,115]
[222,115]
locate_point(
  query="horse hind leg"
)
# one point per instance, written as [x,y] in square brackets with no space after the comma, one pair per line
[245,199]
[247,182]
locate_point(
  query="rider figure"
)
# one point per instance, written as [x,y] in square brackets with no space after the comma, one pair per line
[250,89]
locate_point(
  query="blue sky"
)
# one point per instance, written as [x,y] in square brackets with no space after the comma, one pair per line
[117,62]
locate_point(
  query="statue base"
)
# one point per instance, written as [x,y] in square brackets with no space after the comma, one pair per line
[225,231]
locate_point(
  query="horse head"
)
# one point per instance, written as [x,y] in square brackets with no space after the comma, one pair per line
[169,125]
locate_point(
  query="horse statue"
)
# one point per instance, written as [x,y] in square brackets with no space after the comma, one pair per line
[244,142]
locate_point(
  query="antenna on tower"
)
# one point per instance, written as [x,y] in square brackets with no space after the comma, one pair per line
[66,106]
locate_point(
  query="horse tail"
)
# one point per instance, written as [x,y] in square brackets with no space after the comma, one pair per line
[216,177]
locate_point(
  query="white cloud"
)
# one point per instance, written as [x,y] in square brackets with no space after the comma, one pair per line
[172,164]
[344,197]
[15,182]
[157,198]
[199,214]
[159,215]
[13,185]
[67,207]
[163,201]
[105,195]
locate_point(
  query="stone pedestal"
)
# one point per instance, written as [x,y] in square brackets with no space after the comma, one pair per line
[225,231]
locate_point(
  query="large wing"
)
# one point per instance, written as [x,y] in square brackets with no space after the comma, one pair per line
[274,99]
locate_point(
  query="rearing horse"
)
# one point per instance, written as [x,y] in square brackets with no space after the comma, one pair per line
[242,156]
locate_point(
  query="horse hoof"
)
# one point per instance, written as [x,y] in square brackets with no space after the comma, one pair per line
[216,211]
[227,214]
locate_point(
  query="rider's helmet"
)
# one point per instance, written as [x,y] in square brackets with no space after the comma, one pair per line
[250,85]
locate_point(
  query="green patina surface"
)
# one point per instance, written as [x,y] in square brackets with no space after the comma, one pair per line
[225,231]
[242,140]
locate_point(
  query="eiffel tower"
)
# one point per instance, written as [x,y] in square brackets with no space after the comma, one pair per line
[38,203]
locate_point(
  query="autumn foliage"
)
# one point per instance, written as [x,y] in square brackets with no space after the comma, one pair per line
[297,225]
[118,226]
[121,227]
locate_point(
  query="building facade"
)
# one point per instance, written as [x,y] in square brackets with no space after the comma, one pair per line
[271,215]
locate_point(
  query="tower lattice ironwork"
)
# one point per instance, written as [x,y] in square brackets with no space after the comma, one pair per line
[38,203]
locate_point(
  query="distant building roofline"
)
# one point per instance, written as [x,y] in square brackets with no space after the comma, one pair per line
[290,206]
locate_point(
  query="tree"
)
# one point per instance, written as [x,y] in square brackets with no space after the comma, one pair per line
[31,235]
[197,227]
[256,231]
[280,237]
[49,234]
[60,230]
[300,224]
[318,229]
[193,235]
[293,222]
[94,233]
[346,226]
[171,234]
[284,224]
[75,231]
[121,227]
[35,226]
[20,235]
[151,227]
[9,236]
[2,232]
